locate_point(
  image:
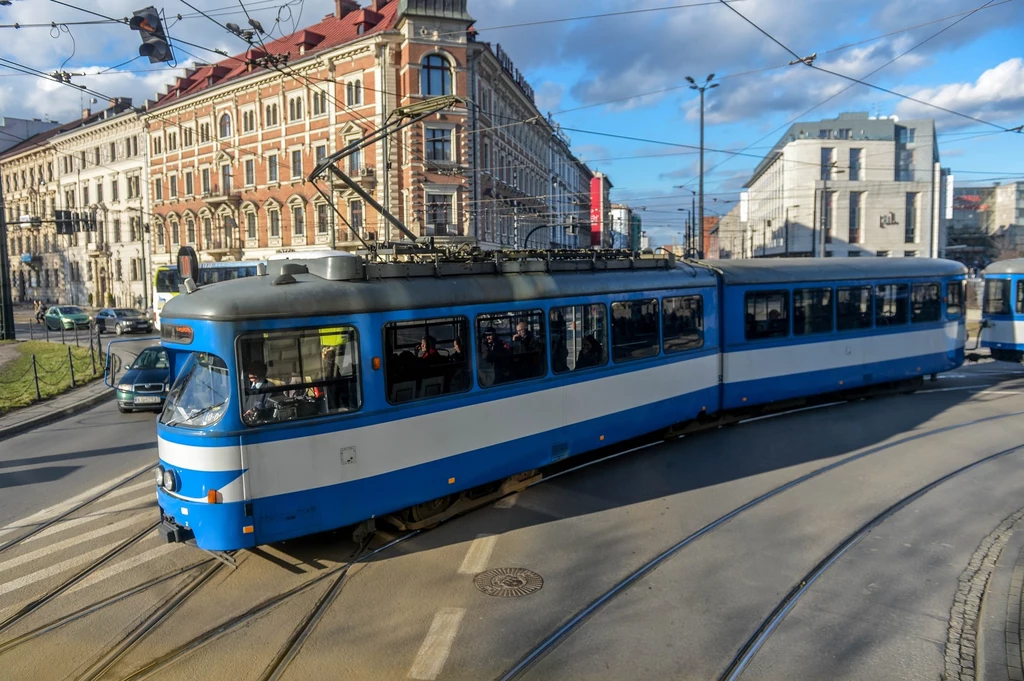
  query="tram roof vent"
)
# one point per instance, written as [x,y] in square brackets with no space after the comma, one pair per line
[333,268]
[294,268]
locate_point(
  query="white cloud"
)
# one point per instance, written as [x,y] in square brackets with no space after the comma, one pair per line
[997,96]
[549,96]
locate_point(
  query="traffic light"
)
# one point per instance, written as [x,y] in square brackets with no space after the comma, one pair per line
[154,40]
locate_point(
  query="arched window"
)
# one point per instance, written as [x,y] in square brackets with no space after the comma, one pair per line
[225,126]
[359,92]
[436,76]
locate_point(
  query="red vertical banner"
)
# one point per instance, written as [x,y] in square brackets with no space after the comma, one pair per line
[596,211]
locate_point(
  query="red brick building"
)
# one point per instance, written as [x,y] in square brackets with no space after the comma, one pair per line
[231,144]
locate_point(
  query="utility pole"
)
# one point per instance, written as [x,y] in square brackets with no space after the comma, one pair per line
[6,299]
[700,221]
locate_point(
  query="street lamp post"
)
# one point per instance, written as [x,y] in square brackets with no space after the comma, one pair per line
[826,214]
[687,240]
[700,222]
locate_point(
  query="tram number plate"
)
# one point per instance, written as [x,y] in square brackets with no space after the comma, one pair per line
[147,400]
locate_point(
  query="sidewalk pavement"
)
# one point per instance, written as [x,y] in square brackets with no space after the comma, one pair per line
[42,413]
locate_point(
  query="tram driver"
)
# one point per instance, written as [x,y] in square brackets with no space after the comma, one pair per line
[256,400]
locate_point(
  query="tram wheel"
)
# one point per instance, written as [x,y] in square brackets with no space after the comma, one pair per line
[428,509]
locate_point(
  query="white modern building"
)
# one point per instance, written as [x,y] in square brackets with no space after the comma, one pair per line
[855,185]
[101,171]
[14,131]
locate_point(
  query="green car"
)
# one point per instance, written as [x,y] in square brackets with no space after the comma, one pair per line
[66,317]
[145,383]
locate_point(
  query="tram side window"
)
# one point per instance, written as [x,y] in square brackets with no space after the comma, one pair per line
[298,374]
[682,323]
[925,303]
[579,337]
[812,311]
[634,330]
[853,308]
[511,347]
[1020,297]
[767,315]
[997,296]
[426,358]
[955,299]
[891,304]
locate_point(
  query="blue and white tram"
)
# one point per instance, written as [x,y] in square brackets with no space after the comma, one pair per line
[1002,311]
[337,390]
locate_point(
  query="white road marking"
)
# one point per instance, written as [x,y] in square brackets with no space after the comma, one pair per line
[54,569]
[67,543]
[148,483]
[140,503]
[124,566]
[791,411]
[57,509]
[507,502]
[438,643]
[479,553]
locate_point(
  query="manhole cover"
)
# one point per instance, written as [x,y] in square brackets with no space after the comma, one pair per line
[508,582]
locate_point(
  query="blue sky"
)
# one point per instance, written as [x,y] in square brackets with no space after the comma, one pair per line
[976,67]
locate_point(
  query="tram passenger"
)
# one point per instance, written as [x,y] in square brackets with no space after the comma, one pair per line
[590,353]
[427,350]
[494,358]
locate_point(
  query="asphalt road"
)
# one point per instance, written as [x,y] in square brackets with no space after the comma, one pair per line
[414,611]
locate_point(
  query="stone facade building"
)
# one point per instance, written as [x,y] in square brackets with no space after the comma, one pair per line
[231,144]
[850,186]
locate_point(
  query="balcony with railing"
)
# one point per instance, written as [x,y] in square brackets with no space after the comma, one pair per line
[222,194]
[224,242]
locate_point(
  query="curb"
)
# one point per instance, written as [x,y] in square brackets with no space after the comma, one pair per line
[56,415]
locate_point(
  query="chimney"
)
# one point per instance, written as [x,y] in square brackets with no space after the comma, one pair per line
[86,113]
[345,7]
[377,5]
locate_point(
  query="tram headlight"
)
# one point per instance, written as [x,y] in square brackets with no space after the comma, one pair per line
[168,480]
[159,476]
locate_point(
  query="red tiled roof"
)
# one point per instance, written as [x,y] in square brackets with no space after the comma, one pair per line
[329,33]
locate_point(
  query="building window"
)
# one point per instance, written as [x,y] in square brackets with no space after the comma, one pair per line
[439,144]
[319,102]
[320,153]
[767,315]
[436,76]
[250,226]
[172,141]
[826,163]
[248,121]
[297,164]
[634,330]
[189,185]
[905,165]
[855,169]
[909,254]
[116,230]
[856,211]
[274,216]
[115,188]
[321,218]
[113,151]
[295,109]
[174,186]
[187,139]
[827,210]
[270,115]
[298,221]
[225,126]
[204,131]
[157,145]
[99,190]
[190,231]
[208,232]
[910,235]
[682,323]
[355,212]
[250,172]
[882,254]
[512,347]
[439,212]
[158,189]
[354,160]
[272,168]
[160,235]
[225,179]
[204,175]
[354,93]
[440,363]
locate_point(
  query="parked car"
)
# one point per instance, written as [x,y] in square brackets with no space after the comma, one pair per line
[122,320]
[145,383]
[66,317]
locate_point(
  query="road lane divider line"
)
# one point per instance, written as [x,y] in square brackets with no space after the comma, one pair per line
[479,553]
[67,543]
[437,645]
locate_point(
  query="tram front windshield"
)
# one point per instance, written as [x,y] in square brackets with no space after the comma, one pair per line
[199,396]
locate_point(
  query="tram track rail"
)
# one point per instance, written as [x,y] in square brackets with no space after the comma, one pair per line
[770,624]
[578,619]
